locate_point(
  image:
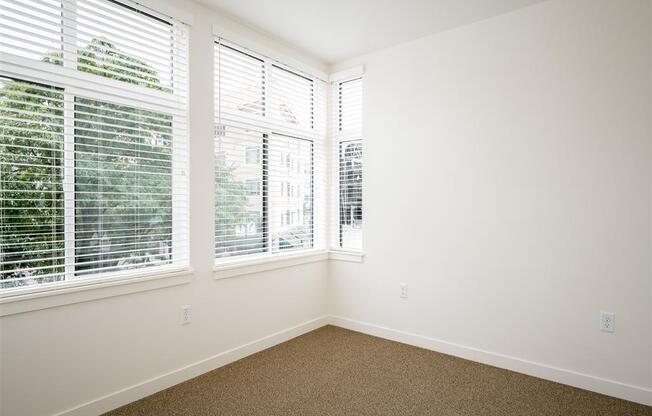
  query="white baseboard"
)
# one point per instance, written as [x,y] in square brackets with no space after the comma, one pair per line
[138,391]
[559,375]
[156,384]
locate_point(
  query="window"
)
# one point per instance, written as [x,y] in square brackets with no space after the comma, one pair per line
[348,156]
[350,186]
[93,152]
[283,133]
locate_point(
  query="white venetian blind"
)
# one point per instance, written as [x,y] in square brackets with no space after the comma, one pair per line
[269,155]
[346,137]
[93,141]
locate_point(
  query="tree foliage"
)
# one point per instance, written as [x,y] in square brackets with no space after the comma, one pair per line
[31,196]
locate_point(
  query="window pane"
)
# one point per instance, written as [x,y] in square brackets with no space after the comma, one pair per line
[290,191]
[240,88]
[116,41]
[351,194]
[32,29]
[123,187]
[31,194]
[292,98]
[239,194]
[350,105]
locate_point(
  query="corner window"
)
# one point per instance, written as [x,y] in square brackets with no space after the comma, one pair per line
[348,142]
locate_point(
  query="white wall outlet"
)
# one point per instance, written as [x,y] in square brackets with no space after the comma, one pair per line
[404,288]
[607,322]
[186,314]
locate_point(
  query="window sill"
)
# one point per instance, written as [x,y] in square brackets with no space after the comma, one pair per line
[36,298]
[238,267]
[343,255]
[242,266]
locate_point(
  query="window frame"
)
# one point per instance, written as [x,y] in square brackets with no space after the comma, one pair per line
[269,127]
[342,133]
[79,84]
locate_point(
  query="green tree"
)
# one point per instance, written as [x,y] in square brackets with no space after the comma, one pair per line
[31,197]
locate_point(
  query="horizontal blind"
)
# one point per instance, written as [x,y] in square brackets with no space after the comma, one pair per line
[93,149]
[347,166]
[269,156]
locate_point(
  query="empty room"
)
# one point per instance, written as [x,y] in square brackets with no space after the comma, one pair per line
[344,207]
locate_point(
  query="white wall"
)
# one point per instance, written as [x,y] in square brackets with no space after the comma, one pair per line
[508,182]
[56,359]
[517,207]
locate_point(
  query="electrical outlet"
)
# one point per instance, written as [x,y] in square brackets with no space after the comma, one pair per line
[404,288]
[186,314]
[607,322]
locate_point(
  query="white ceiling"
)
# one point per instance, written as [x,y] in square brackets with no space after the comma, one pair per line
[335,30]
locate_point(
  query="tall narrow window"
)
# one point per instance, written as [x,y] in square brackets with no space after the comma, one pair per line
[289,235]
[347,138]
[267,133]
[240,194]
[350,172]
[31,183]
[93,155]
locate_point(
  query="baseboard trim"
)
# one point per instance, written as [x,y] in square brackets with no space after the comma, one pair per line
[138,391]
[559,375]
[143,389]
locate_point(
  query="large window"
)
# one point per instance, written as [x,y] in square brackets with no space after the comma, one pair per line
[93,152]
[268,148]
[347,138]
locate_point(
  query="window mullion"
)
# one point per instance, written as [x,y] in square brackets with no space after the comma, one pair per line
[69,30]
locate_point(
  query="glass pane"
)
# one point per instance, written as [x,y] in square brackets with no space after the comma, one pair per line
[32,29]
[290,192]
[123,187]
[31,185]
[292,98]
[239,193]
[239,83]
[351,194]
[350,105]
[119,42]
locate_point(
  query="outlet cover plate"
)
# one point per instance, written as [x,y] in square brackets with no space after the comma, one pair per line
[607,322]
[186,314]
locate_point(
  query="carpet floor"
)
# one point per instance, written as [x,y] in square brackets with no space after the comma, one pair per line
[333,371]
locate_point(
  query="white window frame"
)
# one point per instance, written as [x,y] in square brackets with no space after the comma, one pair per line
[270,127]
[337,138]
[76,83]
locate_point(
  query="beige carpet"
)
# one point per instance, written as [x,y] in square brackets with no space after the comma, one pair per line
[332,371]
